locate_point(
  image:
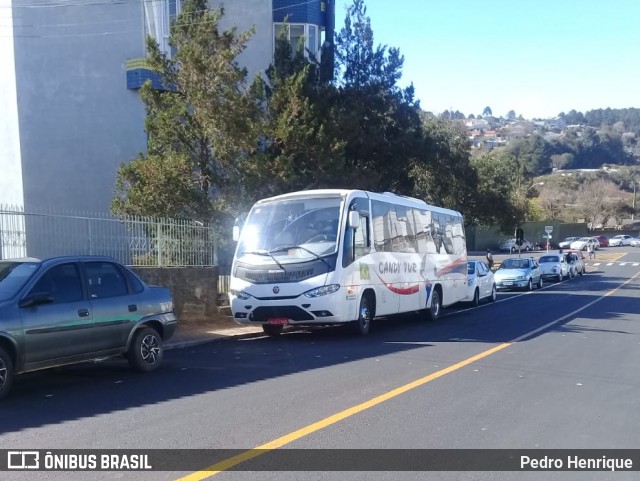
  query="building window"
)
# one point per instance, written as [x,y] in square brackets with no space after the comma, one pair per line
[159,14]
[300,32]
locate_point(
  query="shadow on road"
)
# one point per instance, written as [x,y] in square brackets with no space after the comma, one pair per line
[65,394]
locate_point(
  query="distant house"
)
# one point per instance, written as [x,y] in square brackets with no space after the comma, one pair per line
[519,129]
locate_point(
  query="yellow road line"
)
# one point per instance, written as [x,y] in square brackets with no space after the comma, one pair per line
[607,256]
[323,423]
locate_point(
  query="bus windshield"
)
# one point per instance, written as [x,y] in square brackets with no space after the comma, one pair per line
[291,230]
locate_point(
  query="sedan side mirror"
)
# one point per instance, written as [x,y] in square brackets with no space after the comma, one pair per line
[37,299]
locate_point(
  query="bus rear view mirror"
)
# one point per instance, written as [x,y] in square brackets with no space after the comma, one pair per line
[237,227]
[354,219]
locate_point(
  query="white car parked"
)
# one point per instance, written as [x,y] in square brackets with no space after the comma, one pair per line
[564,244]
[635,242]
[480,283]
[583,242]
[554,266]
[620,240]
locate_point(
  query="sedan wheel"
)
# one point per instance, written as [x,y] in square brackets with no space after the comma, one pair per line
[146,351]
[530,285]
[476,298]
[494,294]
[6,373]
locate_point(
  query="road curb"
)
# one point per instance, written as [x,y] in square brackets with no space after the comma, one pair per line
[213,338]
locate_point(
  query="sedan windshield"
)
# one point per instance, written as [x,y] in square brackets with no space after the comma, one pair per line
[14,275]
[291,230]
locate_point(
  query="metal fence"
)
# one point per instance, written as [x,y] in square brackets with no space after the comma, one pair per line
[133,240]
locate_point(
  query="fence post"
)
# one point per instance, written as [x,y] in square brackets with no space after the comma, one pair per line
[159,242]
[90,238]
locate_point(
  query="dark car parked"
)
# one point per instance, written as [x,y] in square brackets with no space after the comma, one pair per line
[67,310]
[603,240]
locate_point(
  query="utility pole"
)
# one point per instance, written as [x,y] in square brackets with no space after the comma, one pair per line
[633,213]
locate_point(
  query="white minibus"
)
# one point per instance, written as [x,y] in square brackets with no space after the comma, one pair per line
[323,257]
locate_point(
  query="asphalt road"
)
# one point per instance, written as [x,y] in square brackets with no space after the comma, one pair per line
[555,368]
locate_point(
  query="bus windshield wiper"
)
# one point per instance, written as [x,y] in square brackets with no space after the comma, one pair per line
[286,248]
[264,252]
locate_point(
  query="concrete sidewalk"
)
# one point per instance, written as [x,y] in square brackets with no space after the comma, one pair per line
[194,333]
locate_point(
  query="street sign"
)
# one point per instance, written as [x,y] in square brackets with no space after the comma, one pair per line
[548,229]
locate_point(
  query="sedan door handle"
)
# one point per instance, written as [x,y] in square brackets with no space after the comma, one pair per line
[83,312]
[133,308]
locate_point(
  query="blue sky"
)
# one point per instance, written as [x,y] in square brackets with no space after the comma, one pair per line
[538,58]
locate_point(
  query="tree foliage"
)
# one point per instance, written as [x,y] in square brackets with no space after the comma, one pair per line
[197,126]
[216,144]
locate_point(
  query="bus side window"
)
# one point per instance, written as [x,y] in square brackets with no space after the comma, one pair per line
[361,240]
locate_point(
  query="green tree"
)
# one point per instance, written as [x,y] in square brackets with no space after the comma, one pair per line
[360,62]
[204,119]
[535,154]
[442,172]
[378,121]
[499,199]
[298,153]
[487,112]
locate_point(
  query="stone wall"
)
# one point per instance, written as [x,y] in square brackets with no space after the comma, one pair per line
[194,289]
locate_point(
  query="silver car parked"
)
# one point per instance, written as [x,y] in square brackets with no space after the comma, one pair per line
[67,310]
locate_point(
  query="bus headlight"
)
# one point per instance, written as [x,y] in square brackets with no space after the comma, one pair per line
[322,291]
[243,296]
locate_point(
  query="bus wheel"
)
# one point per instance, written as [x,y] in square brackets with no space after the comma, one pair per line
[272,329]
[363,323]
[433,312]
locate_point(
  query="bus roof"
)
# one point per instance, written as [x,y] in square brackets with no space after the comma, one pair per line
[384,196]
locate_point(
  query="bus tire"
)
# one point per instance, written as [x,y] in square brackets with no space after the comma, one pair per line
[272,330]
[362,325]
[433,312]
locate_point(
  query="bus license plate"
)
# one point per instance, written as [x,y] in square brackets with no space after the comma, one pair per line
[278,320]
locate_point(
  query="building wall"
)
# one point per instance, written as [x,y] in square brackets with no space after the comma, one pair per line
[244,15]
[194,290]
[10,159]
[77,119]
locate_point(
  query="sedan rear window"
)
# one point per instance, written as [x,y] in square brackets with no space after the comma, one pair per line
[549,259]
[515,264]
